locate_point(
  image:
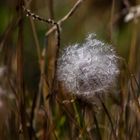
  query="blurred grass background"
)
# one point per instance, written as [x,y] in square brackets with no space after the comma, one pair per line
[117,119]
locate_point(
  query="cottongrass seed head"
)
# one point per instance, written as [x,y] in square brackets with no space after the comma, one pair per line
[88,69]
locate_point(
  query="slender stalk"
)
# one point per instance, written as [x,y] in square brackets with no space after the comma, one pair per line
[109,117]
[67,16]
[97,126]
[112,19]
[20,77]
[133,48]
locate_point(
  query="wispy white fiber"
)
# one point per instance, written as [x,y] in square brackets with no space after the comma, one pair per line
[88,68]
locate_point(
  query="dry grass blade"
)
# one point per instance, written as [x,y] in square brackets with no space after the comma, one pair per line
[97,126]
[20,79]
[109,117]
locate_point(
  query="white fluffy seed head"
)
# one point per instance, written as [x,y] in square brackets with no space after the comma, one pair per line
[88,69]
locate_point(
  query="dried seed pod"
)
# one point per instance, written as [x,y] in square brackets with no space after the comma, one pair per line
[88,69]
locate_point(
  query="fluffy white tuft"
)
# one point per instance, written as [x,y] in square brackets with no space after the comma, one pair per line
[88,69]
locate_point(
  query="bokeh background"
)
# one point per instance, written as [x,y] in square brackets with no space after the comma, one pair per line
[105,18]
